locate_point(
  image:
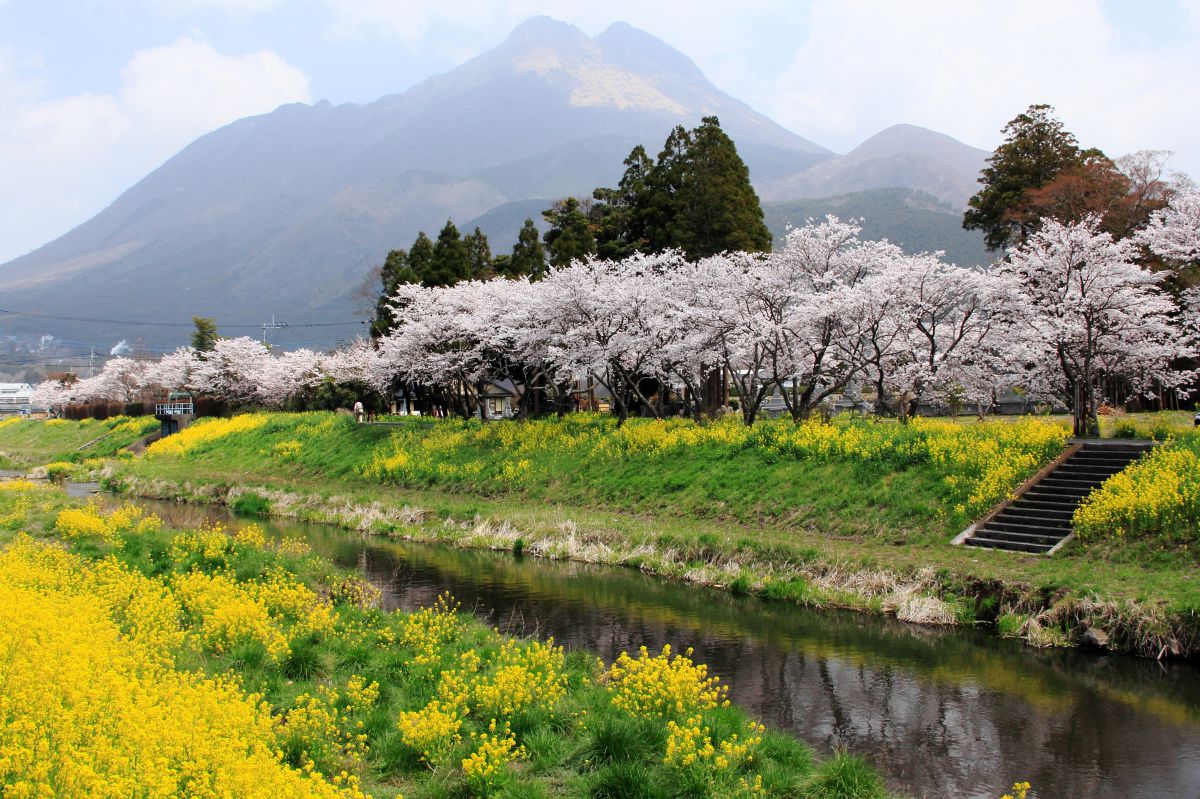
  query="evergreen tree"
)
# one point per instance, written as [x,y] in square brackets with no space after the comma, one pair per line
[420,258]
[1035,151]
[450,262]
[570,236]
[528,258]
[696,197]
[479,255]
[715,207]
[394,272]
[620,215]
[502,265]
[204,337]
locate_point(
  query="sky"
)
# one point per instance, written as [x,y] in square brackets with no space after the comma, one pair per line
[94,94]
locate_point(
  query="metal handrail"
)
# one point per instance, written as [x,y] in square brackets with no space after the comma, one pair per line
[173,408]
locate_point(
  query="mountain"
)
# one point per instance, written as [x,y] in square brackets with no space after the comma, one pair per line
[286,212]
[916,221]
[902,155]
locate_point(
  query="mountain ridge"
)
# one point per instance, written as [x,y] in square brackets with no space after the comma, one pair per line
[288,210]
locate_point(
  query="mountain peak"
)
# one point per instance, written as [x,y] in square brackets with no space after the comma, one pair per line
[639,51]
[546,31]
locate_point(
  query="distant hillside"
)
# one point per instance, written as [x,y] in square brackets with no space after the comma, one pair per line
[901,156]
[914,220]
[286,213]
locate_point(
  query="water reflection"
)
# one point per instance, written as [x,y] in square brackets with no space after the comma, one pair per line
[940,713]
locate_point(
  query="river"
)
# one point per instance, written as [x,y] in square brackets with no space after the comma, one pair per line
[941,713]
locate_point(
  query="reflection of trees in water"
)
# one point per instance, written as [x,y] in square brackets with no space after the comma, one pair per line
[940,713]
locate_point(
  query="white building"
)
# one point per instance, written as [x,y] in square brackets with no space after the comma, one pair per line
[15,398]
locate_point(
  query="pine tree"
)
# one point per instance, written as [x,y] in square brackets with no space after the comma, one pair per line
[420,258]
[479,255]
[1035,151]
[619,215]
[528,258]
[696,197]
[715,209]
[570,236]
[204,337]
[450,262]
[394,272]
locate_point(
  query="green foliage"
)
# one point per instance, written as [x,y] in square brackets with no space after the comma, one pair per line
[204,337]
[450,262]
[1036,149]
[528,257]
[845,776]
[713,207]
[251,504]
[420,258]
[570,235]
[696,197]
[479,255]
[395,272]
[621,214]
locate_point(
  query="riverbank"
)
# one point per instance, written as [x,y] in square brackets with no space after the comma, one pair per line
[855,515]
[863,526]
[224,635]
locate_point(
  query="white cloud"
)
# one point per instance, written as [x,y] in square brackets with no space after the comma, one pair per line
[965,67]
[67,157]
[838,71]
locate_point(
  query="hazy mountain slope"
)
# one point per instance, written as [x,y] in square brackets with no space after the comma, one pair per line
[285,213]
[915,221]
[900,156]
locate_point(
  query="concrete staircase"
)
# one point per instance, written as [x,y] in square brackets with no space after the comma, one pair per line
[1038,520]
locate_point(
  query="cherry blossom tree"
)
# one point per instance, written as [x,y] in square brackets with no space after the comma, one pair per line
[232,370]
[1091,313]
[1174,232]
[949,330]
[817,342]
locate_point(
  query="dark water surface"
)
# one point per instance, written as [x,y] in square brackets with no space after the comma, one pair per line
[941,713]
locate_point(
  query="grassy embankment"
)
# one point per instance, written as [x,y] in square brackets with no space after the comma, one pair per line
[80,447]
[855,515]
[206,663]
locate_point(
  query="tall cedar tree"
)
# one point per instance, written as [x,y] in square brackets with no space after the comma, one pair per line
[716,208]
[479,255]
[1035,151]
[450,262]
[204,337]
[696,198]
[620,214]
[420,258]
[394,272]
[570,236]
[528,258]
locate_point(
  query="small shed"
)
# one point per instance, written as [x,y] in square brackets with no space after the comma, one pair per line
[176,413]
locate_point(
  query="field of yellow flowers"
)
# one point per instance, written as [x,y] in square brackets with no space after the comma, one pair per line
[1157,496]
[847,477]
[141,661]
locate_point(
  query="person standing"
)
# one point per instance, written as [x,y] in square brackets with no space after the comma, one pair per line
[358,411]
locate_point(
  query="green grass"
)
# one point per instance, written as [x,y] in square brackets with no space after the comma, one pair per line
[26,443]
[586,748]
[776,510]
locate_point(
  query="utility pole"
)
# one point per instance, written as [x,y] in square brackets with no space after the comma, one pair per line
[272,325]
[92,363]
